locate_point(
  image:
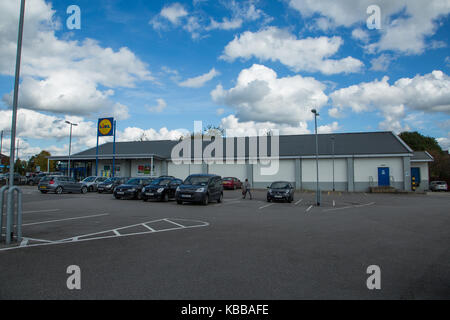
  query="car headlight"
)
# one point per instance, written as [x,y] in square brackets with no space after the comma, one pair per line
[178,189]
[160,190]
[287,191]
[132,189]
[109,186]
[143,189]
[200,190]
[270,190]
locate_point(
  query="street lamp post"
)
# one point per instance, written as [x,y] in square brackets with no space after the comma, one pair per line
[317,158]
[70,144]
[332,150]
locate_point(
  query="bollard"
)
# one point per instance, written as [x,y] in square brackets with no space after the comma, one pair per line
[10,214]
[2,201]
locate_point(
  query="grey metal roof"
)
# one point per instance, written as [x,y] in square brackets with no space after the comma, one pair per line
[422,156]
[348,144]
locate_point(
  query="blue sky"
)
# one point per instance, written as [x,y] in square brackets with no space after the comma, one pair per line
[247,66]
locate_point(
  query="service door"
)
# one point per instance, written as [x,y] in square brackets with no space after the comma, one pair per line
[383,177]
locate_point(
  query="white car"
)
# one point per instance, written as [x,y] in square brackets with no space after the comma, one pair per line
[92,182]
[438,186]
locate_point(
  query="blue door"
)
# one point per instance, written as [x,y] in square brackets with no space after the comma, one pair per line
[383,177]
[415,178]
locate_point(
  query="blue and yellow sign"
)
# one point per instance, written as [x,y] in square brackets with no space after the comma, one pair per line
[105,127]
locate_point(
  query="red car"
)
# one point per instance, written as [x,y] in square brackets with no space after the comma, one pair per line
[231,183]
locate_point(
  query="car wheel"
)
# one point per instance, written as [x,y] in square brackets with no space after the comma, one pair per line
[30,183]
[166,197]
[59,190]
[289,200]
[220,198]
[139,195]
[43,191]
[269,200]
[179,202]
[206,200]
[234,187]
[84,190]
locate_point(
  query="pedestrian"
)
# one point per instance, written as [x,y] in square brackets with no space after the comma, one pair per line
[246,189]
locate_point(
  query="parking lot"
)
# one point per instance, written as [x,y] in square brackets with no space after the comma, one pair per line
[238,249]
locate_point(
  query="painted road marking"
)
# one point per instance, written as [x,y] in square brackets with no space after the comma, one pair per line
[349,207]
[117,234]
[309,208]
[268,205]
[67,219]
[38,211]
[298,202]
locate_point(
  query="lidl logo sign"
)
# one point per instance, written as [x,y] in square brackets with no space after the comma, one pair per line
[105,127]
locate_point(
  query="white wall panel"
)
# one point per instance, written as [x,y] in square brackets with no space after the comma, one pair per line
[229,170]
[286,172]
[325,170]
[368,167]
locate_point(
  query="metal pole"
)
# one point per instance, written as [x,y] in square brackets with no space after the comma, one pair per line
[18,144]
[114,151]
[16,95]
[70,146]
[96,159]
[1,143]
[332,147]
[317,160]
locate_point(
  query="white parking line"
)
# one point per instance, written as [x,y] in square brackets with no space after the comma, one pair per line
[177,224]
[268,205]
[298,202]
[349,207]
[309,208]
[67,219]
[38,211]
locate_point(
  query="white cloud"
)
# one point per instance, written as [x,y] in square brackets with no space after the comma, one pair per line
[259,95]
[136,134]
[62,75]
[158,108]
[444,142]
[360,34]
[174,12]
[406,24]
[198,82]
[381,63]
[329,128]
[427,93]
[309,54]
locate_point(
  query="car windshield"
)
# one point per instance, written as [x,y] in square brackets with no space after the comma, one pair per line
[134,181]
[227,179]
[89,179]
[161,182]
[101,179]
[441,182]
[110,180]
[279,185]
[197,180]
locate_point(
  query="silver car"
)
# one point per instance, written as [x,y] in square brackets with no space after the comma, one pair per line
[438,186]
[60,184]
[92,182]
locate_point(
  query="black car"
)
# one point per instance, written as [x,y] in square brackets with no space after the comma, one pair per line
[109,184]
[132,189]
[201,188]
[161,189]
[280,190]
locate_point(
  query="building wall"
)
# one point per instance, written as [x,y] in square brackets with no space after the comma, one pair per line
[135,164]
[309,174]
[366,172]
[123,165]
[182,171]
[286,172]
[424,175]
[229,170]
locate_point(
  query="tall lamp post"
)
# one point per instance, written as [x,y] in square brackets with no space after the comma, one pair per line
[317,157]
[70,144]
[332,150]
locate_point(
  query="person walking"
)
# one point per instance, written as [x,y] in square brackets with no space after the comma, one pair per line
[246,189]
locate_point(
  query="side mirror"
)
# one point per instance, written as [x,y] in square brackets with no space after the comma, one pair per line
[268,187]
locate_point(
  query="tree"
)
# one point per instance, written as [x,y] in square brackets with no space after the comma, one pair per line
[440,167]
[40,160]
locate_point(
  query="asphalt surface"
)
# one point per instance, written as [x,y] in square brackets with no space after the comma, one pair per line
[240,249]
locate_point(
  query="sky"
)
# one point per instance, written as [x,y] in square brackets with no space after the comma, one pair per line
[247,66]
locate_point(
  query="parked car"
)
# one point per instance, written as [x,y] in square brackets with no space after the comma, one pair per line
[18,179]
[92,182]
[438,186]
[280,190]
[231,183]
[109,184]
[61,184]
[132,189]
[201,188]
[161,189]
[34,180]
